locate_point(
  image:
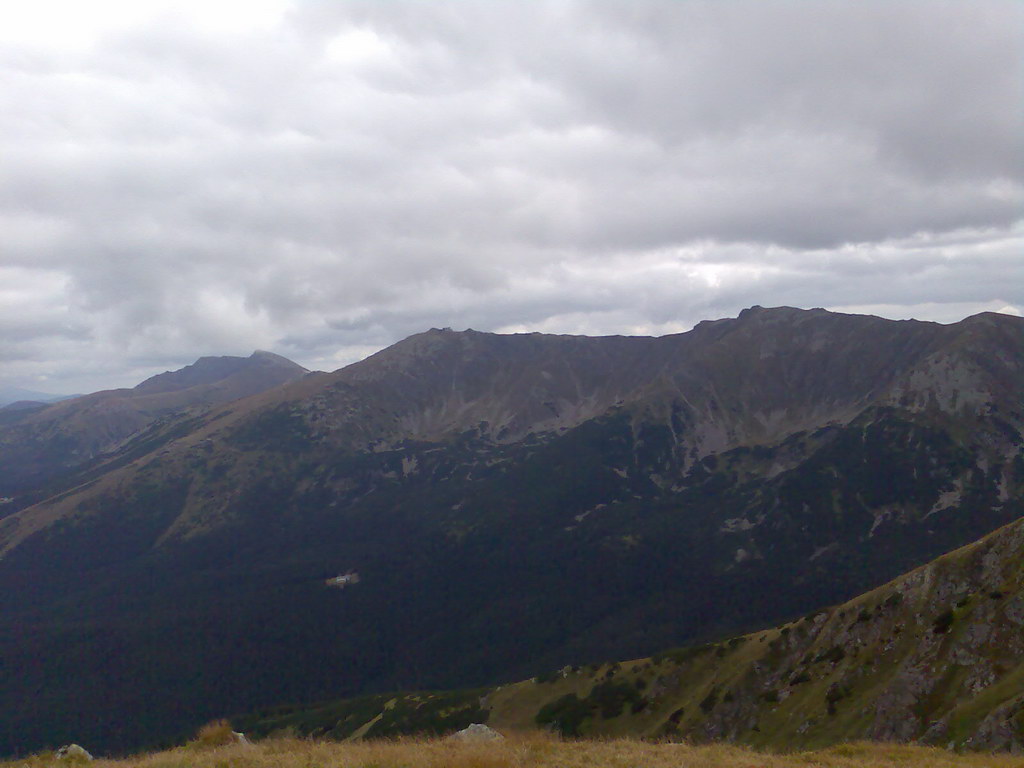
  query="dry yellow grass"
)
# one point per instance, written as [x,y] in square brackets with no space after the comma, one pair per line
[217,733]
[534,751]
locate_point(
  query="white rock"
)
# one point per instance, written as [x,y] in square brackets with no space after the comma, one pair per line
[73,752]
[477,732]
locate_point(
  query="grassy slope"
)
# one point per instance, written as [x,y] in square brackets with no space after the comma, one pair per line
[534,751]
[936,655]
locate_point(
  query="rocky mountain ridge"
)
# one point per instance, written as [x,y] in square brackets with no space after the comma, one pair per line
[752,381]
[513,503]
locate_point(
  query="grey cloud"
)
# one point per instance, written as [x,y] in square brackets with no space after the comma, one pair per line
[363,170]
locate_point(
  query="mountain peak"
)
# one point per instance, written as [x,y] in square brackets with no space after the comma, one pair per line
[268,356]
[211,370]
[994,318]
[757,312]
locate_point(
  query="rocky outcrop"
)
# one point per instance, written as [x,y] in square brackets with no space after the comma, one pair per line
[73,753]
[476,732]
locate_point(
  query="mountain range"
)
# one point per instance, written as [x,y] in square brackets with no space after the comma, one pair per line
[508,504]
[28,398]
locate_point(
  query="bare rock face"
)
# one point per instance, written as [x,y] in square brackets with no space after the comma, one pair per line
[1001,729]
[477,732]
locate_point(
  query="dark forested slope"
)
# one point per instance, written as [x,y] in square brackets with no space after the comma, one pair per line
[510,503]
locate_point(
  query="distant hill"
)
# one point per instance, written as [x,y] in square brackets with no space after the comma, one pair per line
[22,405]
[13,395]
[934,657]
[42,441]
[509,503]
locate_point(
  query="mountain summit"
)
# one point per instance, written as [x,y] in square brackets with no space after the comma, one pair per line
[46,441]
[510,504]
[241,375]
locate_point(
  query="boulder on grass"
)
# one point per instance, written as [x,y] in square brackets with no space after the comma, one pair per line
[477,732]
[73,752]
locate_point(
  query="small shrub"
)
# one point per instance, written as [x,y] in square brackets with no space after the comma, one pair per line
[893,600]
[681,655]
[217,733]
[835,694]
[943,622]
[1017,720]
[548,677]
[834,655]
[609,698]
[565,715]
[709,701]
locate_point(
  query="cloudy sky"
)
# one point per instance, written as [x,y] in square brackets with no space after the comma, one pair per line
[322,178]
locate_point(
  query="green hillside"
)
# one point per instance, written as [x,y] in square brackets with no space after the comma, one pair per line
[935,657]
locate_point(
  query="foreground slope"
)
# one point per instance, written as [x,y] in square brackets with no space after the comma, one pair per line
[531,751]
[935,656]
[510,503]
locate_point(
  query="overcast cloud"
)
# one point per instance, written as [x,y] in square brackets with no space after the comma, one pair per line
[324,178]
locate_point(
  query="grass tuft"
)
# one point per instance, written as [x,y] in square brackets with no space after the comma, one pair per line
[216,733]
